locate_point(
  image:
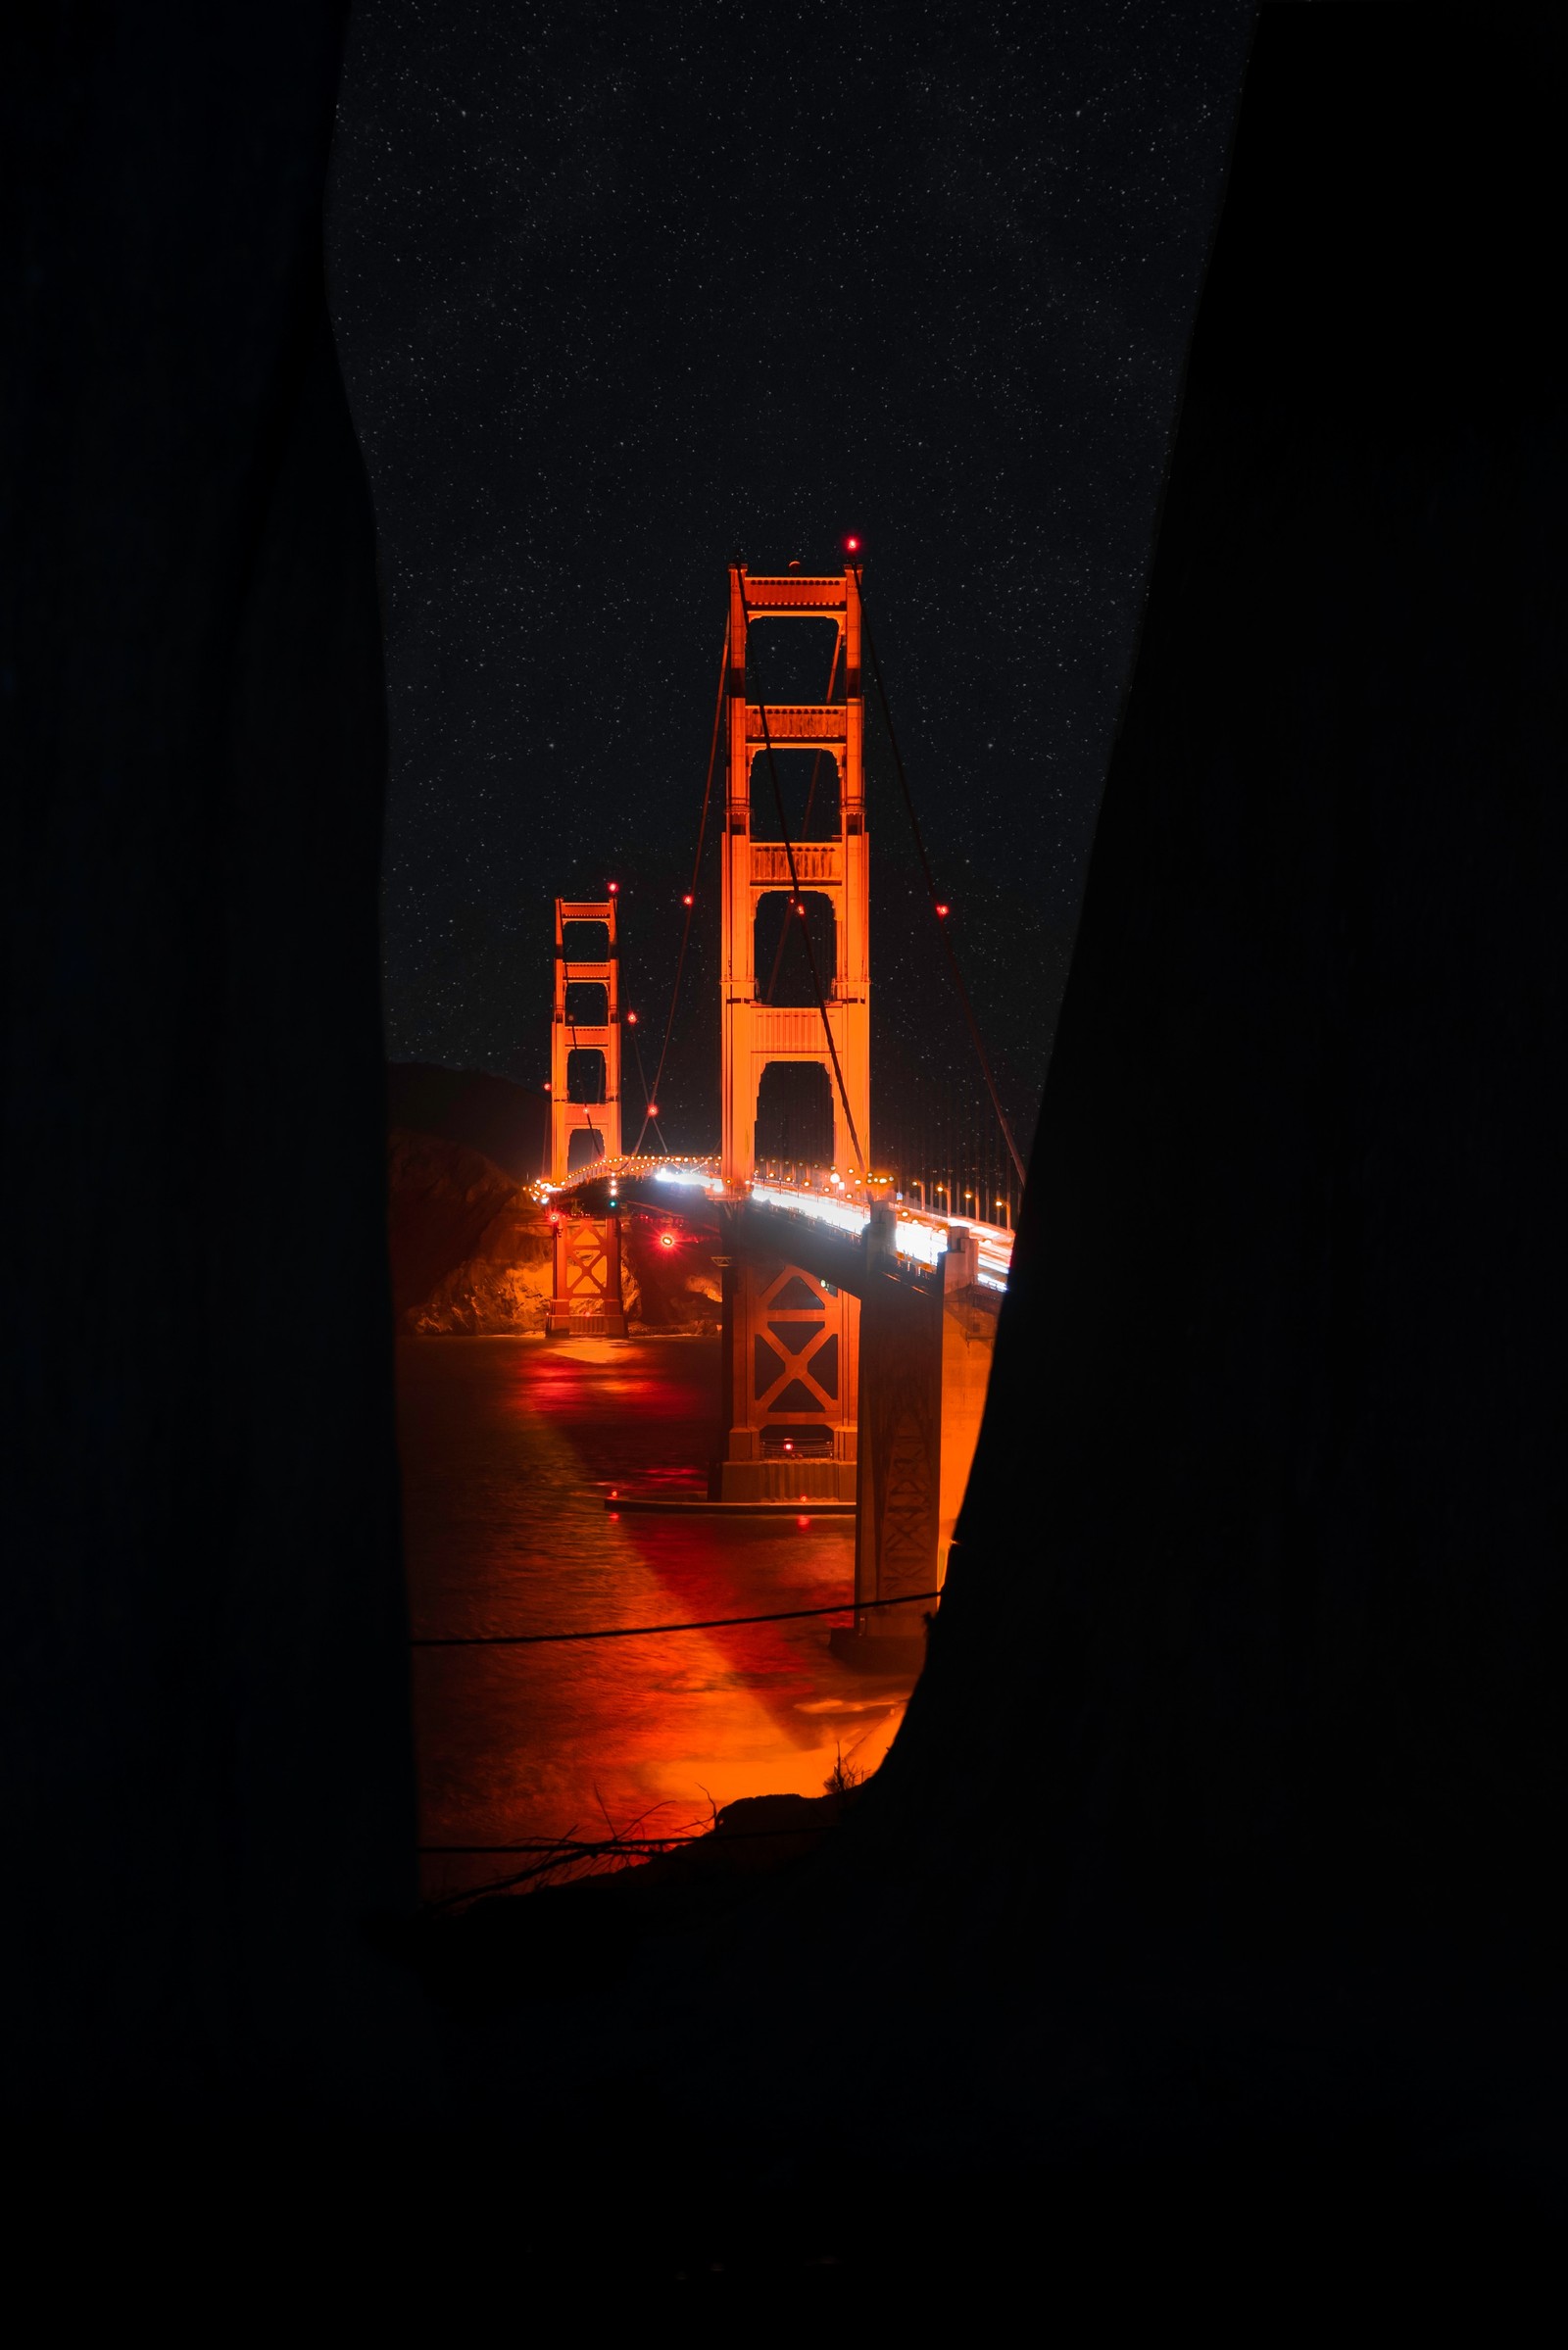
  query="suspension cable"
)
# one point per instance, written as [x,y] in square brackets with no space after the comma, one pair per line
[810,802]
[691,894]
[930,883]
[806,933]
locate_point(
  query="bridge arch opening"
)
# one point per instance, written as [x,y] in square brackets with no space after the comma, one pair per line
[585,1074]
[780,960]
[789,658]
[795,1114]
[587,1002]
[808,785]
[585,942]
[583,1148]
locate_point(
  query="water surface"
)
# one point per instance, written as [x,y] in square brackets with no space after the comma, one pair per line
[509,1448]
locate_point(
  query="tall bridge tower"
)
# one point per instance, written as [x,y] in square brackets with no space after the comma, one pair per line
[575,975]
[587,1301]
[791,1340]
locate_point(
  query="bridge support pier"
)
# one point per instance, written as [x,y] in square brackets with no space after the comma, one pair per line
[925,1362]
[589,1302]
[789,1360]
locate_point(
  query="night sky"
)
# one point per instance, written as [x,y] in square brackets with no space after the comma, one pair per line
[621,290]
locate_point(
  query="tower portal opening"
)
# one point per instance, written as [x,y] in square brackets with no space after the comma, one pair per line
[587,1004]
[808,785]
[583,1147]
[585,942]
[792,658]
[795,1114]
[782,965]
[585,1074]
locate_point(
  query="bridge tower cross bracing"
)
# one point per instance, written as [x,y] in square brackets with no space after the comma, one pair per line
[791,1340]
[757,1034]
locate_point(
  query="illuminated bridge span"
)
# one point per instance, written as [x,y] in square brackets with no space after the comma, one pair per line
[859,1324]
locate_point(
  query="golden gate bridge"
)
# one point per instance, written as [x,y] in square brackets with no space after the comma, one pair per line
[857,1322]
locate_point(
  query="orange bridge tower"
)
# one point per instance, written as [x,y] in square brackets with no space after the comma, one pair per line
[586,1062]
[790,1338]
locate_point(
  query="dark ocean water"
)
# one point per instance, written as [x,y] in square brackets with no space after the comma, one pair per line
[510,1447]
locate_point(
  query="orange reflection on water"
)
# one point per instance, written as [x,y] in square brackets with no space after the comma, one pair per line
[510,1450]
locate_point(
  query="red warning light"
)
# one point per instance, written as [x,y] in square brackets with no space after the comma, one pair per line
[653,1109]
[631,1019]
[687,897]
[613,888]
[803,1521]
[547,1085]
[943,912]
[853,546]
[667,1239]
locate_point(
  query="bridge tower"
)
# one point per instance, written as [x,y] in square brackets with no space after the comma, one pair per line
[791,1340]
[588,1300]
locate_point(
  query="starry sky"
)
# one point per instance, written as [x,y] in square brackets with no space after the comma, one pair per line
[624,289]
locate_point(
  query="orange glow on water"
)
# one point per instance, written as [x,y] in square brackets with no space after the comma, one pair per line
[510,1449]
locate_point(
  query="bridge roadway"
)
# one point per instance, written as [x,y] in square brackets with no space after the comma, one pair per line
[795,1216]
[928,1286]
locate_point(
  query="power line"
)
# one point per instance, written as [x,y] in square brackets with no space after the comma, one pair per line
[640,1631]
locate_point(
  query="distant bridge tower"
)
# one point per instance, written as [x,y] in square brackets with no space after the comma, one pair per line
[791,1340]
[568,1036]
[588,1300]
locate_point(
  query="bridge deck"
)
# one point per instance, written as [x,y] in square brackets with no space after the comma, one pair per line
[814,1211]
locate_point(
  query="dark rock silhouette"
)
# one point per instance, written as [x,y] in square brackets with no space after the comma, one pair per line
[471,1251]
[510,1124]
[208,1768]
[1268,1500]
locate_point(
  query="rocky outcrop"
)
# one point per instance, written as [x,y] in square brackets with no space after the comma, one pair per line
[470,1249]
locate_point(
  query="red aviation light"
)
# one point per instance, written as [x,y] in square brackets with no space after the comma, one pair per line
[631,1019]
[852,546]
[653,1109]
[686,898]
[943,912]
[667,1239]
[613,888]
